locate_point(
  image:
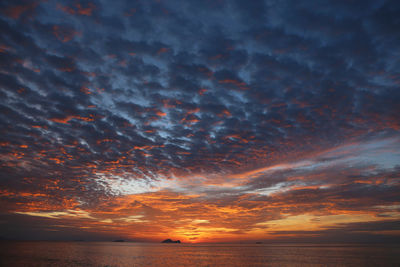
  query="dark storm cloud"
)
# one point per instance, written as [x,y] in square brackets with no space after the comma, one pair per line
[149,89]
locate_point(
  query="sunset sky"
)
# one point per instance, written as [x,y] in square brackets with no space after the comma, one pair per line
[204,121]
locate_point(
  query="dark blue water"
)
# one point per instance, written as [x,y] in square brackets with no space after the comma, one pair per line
[142,254]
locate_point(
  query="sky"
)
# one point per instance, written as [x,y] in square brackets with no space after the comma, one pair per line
[204,121]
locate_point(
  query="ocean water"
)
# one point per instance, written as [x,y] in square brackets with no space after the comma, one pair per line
[144,254]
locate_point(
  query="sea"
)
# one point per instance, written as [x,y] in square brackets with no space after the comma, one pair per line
[44,253]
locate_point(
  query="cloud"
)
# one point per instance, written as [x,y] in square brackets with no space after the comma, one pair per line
[278,108]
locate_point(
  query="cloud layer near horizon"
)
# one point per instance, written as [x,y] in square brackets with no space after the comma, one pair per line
[214,120]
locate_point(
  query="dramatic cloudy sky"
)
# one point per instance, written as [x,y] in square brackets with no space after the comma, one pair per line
[205,121]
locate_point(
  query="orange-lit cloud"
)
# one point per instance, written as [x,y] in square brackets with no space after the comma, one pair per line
[16,11]
[78,9]
[64,34]
[136,120]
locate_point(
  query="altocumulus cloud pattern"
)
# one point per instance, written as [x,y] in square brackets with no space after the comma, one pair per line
[213,120]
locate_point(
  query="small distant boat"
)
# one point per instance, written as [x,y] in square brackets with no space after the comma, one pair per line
[170,241]
[119,240]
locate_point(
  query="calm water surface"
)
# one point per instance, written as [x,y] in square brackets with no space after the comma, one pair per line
[142,254]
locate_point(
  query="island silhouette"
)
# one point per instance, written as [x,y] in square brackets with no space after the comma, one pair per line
[170,241]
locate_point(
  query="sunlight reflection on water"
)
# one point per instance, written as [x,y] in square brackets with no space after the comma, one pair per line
[143,254]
